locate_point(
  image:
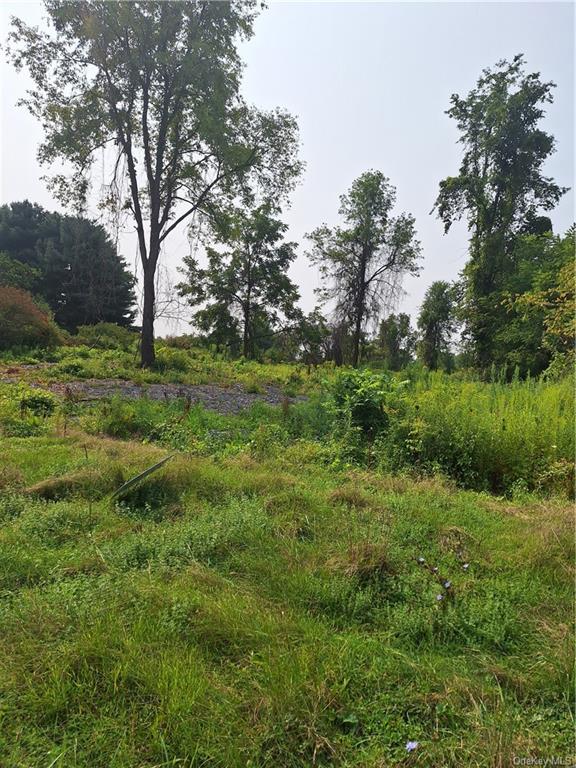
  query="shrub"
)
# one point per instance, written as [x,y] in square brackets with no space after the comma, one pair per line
[38,402]
[363,400]
[23,322]
[168,359]
[106,336]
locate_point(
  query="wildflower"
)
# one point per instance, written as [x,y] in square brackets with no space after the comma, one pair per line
[447,584]
[435,569]
[466,566]
[411,746]
[439,598]
[421,561]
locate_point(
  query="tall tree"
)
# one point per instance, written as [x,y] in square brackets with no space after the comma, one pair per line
[500,186]
[436,322]
[248,279]
[397,341]
[157,83]
[362,263]
[70,262]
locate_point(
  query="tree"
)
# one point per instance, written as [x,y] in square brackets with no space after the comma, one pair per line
[68,261]
[362,263]
[500,186]
[436,322]
[397,341]
[540,305]
[158,84]
[248,280]
[17,274]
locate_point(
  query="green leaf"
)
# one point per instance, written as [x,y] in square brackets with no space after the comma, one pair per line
[135,480]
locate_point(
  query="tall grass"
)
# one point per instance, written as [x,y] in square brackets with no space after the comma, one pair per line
[488,436]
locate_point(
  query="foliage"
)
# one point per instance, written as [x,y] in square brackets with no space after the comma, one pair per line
[486,436]
[17,274]
[23,322]
[437,324]
[363,402]
[540,304]
[106,336]
[499,188]
[245,288]
[70,262]
[396,341]
[362,263]
[158,85]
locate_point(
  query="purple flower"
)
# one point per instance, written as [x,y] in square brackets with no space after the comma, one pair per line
[447,584]
[439,598]
[411,746]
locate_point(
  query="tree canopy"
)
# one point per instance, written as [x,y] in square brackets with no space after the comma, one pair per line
[362,262]
[500,187]
[437,324]
[245,286]
[67,260]
[157,85]
[396,341]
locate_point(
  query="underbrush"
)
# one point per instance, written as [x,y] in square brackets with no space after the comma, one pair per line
[502,438]
[100,360]
[262,609]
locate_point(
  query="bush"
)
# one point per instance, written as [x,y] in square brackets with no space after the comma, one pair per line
[168,359]
[23,322]
[38,402]
[106,336]
[364,401]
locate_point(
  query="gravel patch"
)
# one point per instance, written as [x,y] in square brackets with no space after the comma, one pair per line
[225,400]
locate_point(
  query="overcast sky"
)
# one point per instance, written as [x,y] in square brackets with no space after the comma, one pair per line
[369,84]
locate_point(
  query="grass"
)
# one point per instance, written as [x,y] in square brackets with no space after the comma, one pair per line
[176,366]
[288,590]
[233,611]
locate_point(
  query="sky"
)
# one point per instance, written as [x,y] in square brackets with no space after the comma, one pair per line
[369,83]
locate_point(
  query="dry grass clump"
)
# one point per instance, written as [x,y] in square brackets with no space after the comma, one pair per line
[351,496]
[90,483]
[10,477]
[366,561]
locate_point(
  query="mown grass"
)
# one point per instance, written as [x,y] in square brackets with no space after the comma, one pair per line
[266,609]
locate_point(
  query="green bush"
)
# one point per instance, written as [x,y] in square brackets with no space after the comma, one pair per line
[486,436]
[168,359]
[364,401]
[106,336]
[38,402]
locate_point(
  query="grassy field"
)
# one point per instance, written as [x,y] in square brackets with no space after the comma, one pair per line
[289,589]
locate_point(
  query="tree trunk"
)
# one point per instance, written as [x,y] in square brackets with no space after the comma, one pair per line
[356,340]
[360,309]
[147,354]
[246,336]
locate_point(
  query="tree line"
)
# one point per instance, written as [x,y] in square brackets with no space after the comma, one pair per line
[157,86]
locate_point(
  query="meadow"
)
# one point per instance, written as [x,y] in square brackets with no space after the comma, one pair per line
[380,574]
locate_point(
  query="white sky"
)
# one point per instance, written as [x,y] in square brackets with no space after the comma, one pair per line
[369,84]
